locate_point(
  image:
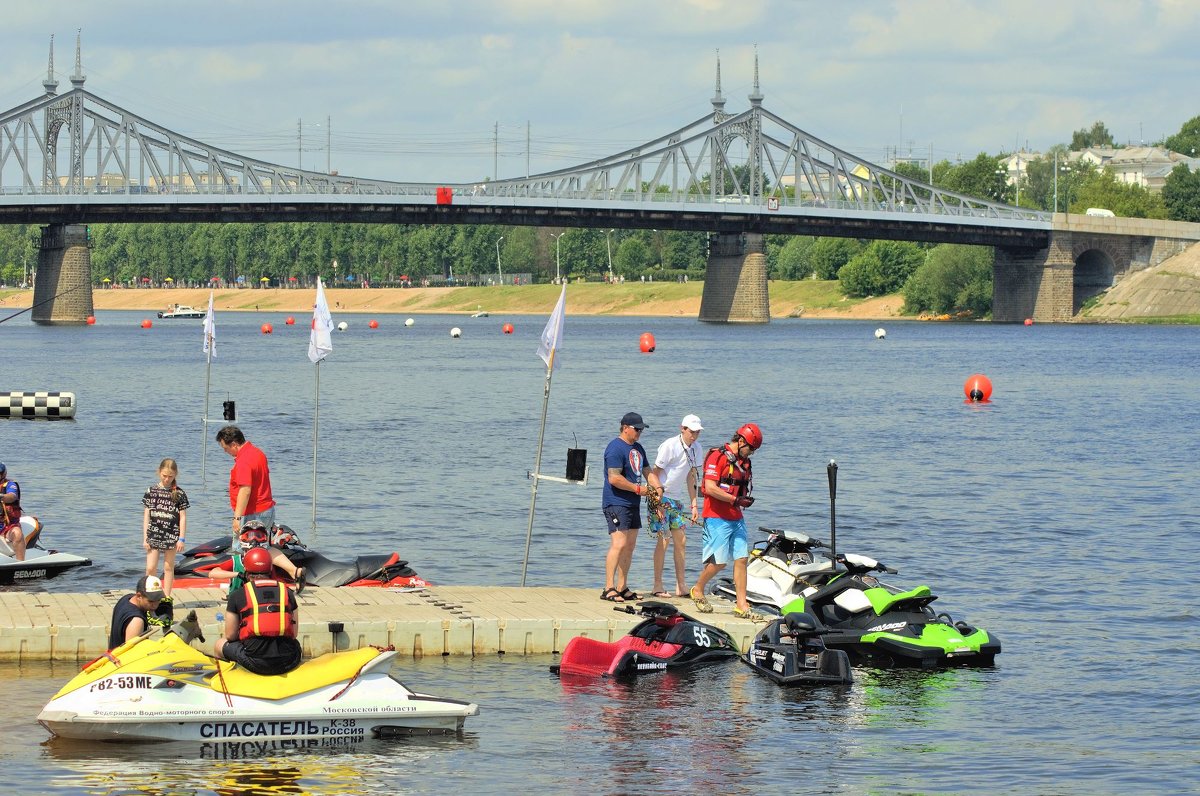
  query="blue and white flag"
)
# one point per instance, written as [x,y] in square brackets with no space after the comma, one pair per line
[320,342]
[210,328]
[552,335]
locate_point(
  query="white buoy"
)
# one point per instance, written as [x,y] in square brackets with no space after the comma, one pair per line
[409,322]
[343,326]
[880,333]
[456,332]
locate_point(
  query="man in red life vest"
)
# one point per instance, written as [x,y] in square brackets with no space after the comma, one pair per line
[728,481]
[10,515]
[260,621]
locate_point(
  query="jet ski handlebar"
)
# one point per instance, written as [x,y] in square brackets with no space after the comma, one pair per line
[649,608]
[802,539]
[857,564]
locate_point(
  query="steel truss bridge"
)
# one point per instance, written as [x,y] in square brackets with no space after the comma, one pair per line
[77,158]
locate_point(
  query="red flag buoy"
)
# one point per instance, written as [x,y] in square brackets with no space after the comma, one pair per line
[290,321]
[373,324]
[1029,321]
[91,320]
[266,328]
[507,328]
[146,324]
[646,343]
[977,388]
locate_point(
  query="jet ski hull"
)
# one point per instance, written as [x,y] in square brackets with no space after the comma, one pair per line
[38,563]
[164,690]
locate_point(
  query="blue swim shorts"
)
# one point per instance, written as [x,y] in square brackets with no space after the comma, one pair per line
[673,518]
[724,541]
[622,518]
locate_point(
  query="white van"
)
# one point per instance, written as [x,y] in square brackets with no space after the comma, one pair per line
[1100,211]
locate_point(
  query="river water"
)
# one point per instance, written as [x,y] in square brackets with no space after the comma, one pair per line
[1051,516]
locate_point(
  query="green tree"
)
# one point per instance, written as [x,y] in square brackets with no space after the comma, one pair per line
[883,267]
[830,255]
[631,257]
[1098,136]
[1181,194]
[952,279]
[1187,140]
[1102,189]
[982,177]
[794,258]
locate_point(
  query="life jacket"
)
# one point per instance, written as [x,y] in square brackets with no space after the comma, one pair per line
[733,474]
[11,511]
[270,610]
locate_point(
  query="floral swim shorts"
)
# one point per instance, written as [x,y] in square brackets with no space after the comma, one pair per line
[673,518]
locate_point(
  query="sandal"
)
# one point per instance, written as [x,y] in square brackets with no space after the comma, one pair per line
[629,596]
[749,613]
[299,578]
[702,603]
[612,595]
[662,594]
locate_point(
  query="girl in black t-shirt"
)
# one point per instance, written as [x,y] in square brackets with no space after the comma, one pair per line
[164,523]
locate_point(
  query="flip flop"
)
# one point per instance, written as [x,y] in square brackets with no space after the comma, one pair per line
[612,595]
[662,594]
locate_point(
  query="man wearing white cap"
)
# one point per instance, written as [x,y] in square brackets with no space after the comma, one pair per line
[131,614]
[675,465]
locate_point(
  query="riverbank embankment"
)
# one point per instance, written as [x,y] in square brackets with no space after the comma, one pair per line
[808,299]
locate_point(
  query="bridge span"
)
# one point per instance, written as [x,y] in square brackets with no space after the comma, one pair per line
[75,158]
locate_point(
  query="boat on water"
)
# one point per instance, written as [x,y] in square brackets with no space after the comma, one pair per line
[183,311]
[480,314]
[39,562]
[165,690]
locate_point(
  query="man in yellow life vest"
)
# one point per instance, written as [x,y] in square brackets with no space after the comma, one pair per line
[260,620]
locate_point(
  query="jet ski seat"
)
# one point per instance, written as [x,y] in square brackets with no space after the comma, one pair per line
[332,667]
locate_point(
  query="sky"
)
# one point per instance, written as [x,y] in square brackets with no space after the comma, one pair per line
[446,91]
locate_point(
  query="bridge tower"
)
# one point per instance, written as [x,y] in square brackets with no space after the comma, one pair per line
[735,280]
[62,289]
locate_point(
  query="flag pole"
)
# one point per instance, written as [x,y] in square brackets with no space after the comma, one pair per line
[210,347]
[316,413]
[537,467]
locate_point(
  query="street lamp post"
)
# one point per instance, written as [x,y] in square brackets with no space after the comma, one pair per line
[335,272]
[557,256]
[1067,205]
[608,240]
[498,268]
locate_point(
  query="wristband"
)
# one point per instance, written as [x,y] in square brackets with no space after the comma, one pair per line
[236,517]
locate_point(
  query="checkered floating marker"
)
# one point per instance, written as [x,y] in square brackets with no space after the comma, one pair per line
[39,405]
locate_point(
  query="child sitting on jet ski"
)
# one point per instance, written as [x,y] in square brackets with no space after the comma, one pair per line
[254,536]
[261,620]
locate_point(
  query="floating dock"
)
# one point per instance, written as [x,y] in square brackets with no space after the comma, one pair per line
[439,620]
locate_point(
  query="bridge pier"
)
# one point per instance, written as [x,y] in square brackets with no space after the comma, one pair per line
[735,280]
[62,291]
[1033,283]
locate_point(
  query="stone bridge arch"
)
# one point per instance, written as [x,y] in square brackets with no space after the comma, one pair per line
[1096,260]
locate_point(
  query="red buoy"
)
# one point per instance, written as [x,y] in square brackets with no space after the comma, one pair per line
[1029,321]
[146,324]
[374,324]
[267,329]
[646,343]
[978,389]
[290,321]
[507,328]
[91,320]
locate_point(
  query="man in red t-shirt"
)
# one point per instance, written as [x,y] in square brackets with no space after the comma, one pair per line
[249,480]
[728,481]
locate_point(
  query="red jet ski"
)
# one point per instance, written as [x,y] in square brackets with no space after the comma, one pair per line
[665,639]
[383,570]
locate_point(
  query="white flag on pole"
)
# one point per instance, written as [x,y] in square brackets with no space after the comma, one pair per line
[210,328]
[320,342]
[552,335]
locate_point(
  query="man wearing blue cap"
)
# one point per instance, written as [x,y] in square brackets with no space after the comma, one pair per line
[624,465]
[10,502]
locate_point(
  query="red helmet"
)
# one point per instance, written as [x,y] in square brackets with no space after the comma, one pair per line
[257,561]
[751,434]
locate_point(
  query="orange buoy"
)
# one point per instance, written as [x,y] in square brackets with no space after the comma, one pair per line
[374,324]
[646,343]
[507,328]
[290,321]
[267,329]
[1029,321]
[978,389]
[91,320]
[146,324]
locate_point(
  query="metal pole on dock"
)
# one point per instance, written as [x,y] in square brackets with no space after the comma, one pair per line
[537,466]
[210,336]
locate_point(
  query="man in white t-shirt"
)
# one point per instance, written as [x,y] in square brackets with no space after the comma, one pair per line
[676,465]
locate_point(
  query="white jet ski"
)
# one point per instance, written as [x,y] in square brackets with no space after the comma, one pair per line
[165,690]
[39,562]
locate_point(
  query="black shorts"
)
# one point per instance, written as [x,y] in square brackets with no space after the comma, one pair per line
[264,655]
[623,518]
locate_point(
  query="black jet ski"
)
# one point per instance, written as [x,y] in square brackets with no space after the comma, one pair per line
[380,570]
[665,639]
[790,651]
